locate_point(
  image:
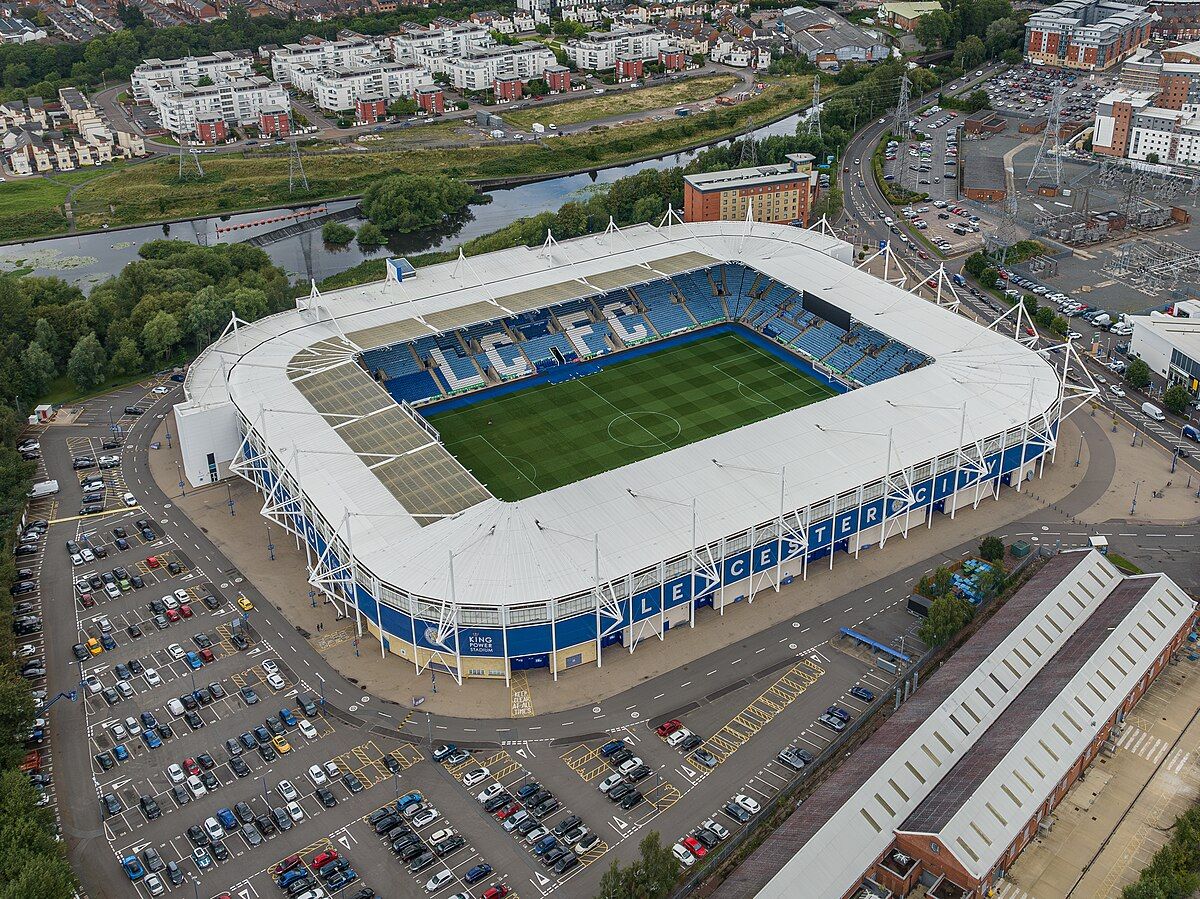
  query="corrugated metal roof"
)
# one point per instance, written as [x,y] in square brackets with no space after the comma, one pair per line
[839,831]
[991,793]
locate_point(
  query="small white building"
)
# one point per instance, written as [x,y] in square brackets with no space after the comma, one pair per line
[1170,344]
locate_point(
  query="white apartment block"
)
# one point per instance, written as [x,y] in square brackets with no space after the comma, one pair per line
[598,51]
[158,74]
[477,69]
[415,46]
[238,101]
[288,59]
[341,88]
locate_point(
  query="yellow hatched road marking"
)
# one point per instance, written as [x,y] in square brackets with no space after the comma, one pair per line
[763,709]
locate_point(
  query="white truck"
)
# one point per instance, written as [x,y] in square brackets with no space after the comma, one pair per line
[538,128]
[43,488]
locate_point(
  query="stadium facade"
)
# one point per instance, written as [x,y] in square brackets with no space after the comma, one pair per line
[320,409]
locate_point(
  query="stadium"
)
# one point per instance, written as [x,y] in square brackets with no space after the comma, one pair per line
[516,460]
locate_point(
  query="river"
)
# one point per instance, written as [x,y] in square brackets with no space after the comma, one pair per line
[87,259]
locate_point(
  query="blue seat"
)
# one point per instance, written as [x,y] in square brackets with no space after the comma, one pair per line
[413,387]
[667,316]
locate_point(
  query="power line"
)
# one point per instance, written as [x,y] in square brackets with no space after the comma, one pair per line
[296,169]
[1048,161]
[812,124]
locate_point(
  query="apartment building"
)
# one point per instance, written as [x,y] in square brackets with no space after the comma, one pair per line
[287,60]
[237,101]
[780,194]
[341,88]
[415,46]
[478,69]
[157,75]
[1154,116]
[1088,35]
[599,51]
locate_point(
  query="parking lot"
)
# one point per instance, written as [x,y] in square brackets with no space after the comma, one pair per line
[928,163]
[1026,90]
[218,770]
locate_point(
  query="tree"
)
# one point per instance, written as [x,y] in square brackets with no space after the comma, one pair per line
[370,237]
[127,360]
[1152,158]
[934,29]
[1137,373]
[160,335]
[1030,303]
[337,234]
[86,366]
[410,202]
[39,367]
[652,874]
[970,52]
[991,548]
[402,106]
[1176,398]
[1059,326]
[44,333]
[942,579]
[947,616]
[1044,316]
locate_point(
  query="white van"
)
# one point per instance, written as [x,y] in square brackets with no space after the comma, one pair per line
[175,707]
[1152,411]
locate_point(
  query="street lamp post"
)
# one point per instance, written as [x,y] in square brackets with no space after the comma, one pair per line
[1133,507]
[270,545]
[229,492]
[179,471]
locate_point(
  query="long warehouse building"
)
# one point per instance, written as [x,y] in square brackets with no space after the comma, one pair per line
[950,789]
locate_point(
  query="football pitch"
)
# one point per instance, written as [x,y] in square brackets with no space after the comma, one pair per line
[529,441]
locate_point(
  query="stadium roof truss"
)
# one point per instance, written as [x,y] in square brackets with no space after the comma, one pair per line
[318,437]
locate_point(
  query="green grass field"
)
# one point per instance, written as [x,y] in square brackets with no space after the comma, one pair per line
[533,440]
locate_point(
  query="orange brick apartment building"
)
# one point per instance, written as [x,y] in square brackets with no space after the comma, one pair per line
[779,194]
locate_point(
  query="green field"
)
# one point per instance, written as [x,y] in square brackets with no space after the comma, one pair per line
[523,443]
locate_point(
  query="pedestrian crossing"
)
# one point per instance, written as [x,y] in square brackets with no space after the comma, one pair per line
[1139,742]
[1009,890]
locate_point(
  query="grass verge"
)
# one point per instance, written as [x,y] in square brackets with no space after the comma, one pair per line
[590,106]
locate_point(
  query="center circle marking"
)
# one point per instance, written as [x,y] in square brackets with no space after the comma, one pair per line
[644,429]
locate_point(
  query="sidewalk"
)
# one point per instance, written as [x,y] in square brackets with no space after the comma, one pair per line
[242,538]
[1116,817]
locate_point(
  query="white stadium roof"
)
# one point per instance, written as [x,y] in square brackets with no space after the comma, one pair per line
[638,515]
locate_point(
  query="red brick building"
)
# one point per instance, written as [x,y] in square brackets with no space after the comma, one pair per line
[783,194]
[211,129]
[370,110]
[673,59]
[945,794]
[508,88]
[274,121]
[1090,36]
[630,67]
[430,98]
[558,79]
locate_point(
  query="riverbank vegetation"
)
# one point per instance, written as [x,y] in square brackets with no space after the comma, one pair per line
[175,297]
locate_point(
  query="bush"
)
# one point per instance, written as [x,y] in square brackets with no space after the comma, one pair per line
[337,234]
[991,549]
[370,237]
